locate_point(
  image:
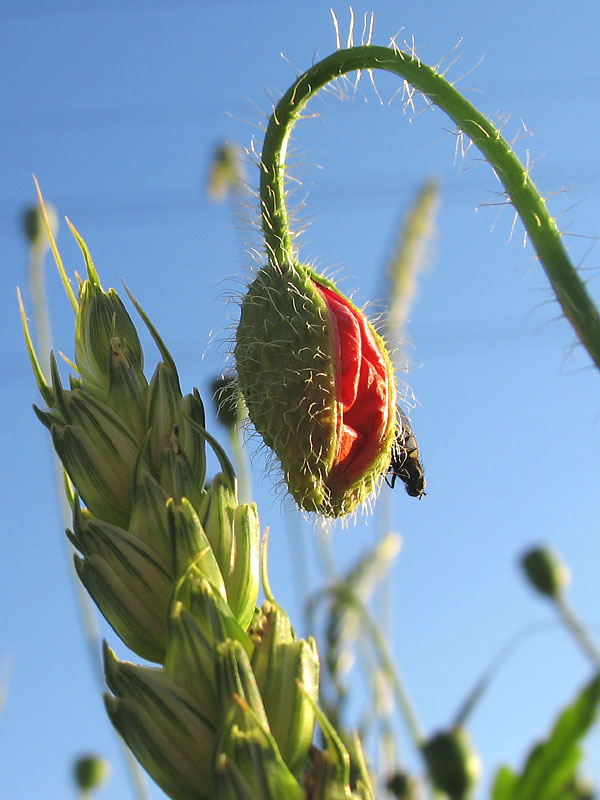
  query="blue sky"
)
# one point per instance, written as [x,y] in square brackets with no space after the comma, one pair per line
[117,108]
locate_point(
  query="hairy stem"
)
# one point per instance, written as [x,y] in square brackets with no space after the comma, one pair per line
[570,290]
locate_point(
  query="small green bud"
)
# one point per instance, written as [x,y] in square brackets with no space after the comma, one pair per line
[160,723]
[319,387]
[545,571]
[453,764]
[90,772]
[226,172]
[234,534]
[35,230]
[101,318]
[403,786]
[287,673]
[127,582]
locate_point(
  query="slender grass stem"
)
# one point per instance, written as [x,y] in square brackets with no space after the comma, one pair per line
[387,666]
[545,236]
[578,631]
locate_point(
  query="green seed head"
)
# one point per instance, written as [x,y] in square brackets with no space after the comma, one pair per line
[90,772]
[452,762]
[35,230]
[545,571]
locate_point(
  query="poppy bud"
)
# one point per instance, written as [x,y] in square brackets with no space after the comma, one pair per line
[319,387]
[453,764]
[545,571]
[90,772]
[33,225]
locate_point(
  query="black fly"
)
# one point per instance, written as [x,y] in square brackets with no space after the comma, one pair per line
[405,463]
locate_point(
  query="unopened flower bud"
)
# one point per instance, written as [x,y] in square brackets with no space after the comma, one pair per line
[90,772]
[403,786]
[227,172]
[287,673]
[319,387]
[545,572]
[35,230]
[453,764]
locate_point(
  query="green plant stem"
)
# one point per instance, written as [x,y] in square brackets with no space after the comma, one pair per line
[507,649]
[236,440]
[387,666]
[570,290]
[577,629]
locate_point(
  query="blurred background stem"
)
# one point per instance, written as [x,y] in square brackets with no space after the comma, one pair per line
[577,630]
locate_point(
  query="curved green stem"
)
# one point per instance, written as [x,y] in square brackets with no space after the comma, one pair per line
[570,290]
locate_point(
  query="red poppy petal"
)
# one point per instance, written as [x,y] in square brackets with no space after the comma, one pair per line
[362,389]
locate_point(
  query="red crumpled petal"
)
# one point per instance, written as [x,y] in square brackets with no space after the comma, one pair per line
[362,390]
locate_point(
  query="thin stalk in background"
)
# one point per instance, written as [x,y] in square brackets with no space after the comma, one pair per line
[549,576]
[341,593]
[407,260]
[578,631]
